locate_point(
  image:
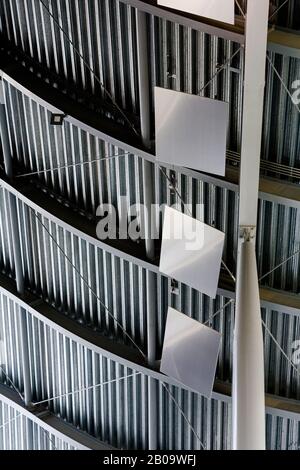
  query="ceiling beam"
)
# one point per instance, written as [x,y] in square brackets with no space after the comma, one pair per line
[272,190]
[215,28]
[77,224]
[52,424]
[123,354]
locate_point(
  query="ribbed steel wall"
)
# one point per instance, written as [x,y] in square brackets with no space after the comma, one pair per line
[121,286]
[38,145]
[18,432]
[288,15]
[6,248]
[281,131]
[117,412]
[180,58]
[104,32]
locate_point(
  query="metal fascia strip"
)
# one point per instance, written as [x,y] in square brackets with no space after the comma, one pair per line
[276,406]
[270,189]
[191,21]
[270,298]
[58,427]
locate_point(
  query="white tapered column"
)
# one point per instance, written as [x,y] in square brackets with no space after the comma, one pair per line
[248,360]
[248,394]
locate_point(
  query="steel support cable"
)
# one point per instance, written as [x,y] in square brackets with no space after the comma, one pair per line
[114,157]
[274,167]
[188,210]
[283,83]
[296,369]
[184,415]
[220,69]
[87,284]
[279,265]
[47,434]
[18,416]
[87,65]
[84,389]
[72,165]
[240,9]
[101,384]
[279,8]
[12,383]
[56,21]
[10,420]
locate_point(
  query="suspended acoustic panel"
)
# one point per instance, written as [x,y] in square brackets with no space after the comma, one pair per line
[190,352]
[191,131]
[219,10]
[191,252]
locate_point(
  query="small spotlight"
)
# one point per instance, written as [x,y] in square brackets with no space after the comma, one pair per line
[57,119]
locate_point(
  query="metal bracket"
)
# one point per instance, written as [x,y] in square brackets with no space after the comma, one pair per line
[247,232]
[174,287]
[173,182]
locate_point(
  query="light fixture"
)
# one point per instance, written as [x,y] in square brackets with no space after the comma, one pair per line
[57,119]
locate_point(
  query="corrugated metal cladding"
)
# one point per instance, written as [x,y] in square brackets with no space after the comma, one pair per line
[37,145]
[288,16]
[117,412]
[20,433]
[181,59]
[104,32]
[121,286]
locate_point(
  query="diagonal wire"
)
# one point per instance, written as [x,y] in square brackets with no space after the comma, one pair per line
[91,70]
[64,167]
[84,389]
[220,69]
[12,383]
[185,206]
[184,415]
[87,284]
[279,8]
[10,420]
[280,348]
[47,434]
[240,8]
[282,82]
[56,21]
[279,265]
[296,369]
[218,312]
